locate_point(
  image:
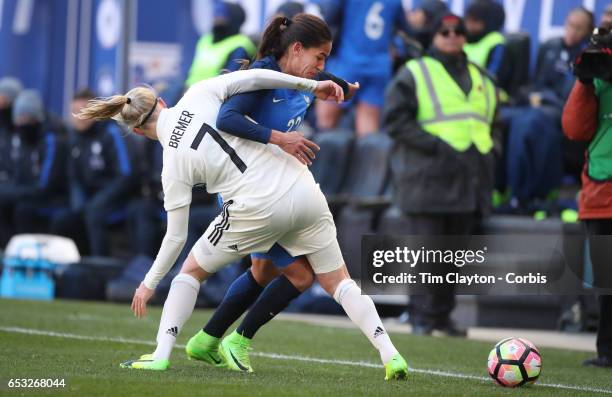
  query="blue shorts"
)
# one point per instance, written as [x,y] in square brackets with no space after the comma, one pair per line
[276,254]
[371,86]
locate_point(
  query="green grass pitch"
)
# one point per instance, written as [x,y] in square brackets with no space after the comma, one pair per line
[84,343]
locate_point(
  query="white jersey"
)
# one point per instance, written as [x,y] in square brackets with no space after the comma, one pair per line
[196,153]
[269,195]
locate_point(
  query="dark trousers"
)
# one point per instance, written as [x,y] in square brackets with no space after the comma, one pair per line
[7,228]
[601,252]
[534,157]
[146,220]
[434,309]
[89,228]
[34,216]
[28,216]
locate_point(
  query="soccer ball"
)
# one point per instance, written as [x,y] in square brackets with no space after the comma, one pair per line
[514,362]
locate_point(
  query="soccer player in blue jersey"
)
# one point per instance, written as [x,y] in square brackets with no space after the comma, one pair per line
[366,31]
[297,46]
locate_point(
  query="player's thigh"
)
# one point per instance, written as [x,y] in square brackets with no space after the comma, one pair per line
[315,231]
[367,119]
[242,229]
[191,267]
[328,114]
[265,267]
[212,257]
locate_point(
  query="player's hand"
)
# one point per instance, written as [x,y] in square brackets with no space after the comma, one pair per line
[328,90]
[139,302]
[296,145]
[353,87]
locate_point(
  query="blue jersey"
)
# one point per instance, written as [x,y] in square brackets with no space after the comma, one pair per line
[367,28]
[280,109]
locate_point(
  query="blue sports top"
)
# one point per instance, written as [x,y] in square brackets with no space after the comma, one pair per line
[281,109]
[367,29]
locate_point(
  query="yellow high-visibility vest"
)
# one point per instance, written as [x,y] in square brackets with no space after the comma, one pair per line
[210,57]
[479,52]
[447,112]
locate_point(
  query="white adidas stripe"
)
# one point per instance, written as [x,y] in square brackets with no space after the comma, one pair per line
[446,374]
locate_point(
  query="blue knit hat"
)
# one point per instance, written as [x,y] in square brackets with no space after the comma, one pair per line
[10,87]
[29,103]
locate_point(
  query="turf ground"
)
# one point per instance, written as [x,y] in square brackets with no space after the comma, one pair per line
[84,343]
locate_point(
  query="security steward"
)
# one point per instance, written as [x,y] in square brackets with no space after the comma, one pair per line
[221,49]
[440,110]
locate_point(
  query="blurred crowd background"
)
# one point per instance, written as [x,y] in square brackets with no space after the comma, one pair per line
[101,186]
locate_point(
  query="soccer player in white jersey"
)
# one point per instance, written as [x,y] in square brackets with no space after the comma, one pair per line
[268,196]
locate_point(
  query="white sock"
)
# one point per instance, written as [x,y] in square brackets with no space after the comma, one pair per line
[177,310]
[362,312]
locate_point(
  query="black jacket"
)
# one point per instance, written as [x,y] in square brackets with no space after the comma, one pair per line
[429,175]
[100,166]
[553,73]
[37,169]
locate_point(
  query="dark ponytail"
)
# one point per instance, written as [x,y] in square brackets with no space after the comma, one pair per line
[281,32]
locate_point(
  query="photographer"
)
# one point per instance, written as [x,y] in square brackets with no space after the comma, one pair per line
[586,117]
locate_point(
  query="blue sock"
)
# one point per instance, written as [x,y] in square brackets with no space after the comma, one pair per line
[239,296]
[274,299]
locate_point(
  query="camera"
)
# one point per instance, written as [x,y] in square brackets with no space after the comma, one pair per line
[595,61]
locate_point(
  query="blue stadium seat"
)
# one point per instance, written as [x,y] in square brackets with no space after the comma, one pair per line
[392,222]
[330,166]
[518,46]
[352,223]
[368,174]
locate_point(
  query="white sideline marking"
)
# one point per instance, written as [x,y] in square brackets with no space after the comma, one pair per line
[29,331]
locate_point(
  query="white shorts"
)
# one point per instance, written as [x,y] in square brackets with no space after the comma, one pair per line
[300,221]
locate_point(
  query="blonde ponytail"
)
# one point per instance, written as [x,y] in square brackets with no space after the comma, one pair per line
[130,109]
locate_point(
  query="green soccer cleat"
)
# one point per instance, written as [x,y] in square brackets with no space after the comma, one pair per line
[235,349]
[146,361]
[204,347]
[396,368]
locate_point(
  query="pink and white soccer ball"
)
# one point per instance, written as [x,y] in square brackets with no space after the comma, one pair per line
[514,362]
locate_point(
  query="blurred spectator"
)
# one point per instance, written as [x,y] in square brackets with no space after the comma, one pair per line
[224,47]
[146,215]
[407,46]
[606,18]
[361,54]
[553,72]
[443,162]
[9,89]
[486,45]
[37,176]
[421,19]
[536,155]
[586,117]
[101,179]
[290,9]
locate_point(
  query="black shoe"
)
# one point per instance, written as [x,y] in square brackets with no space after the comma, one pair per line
[601,362]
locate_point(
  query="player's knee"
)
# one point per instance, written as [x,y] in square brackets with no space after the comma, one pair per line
[301,277]
[193,269]
[263,271]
